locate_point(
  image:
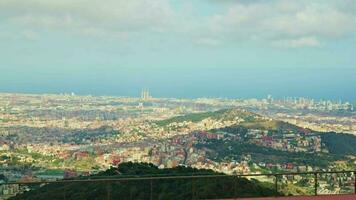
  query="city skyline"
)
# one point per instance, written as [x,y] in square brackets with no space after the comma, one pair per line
[180,49]
[169,99]
[145,94]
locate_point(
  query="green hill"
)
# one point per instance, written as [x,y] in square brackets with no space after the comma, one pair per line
[250,120]
[340,144]
[203,188]
[220,150]
[225,114]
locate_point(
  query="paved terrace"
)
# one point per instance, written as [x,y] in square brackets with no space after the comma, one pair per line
[321,197]
[194,192]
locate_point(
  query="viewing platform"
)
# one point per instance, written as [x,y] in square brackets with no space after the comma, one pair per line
[321,197]
[247,186]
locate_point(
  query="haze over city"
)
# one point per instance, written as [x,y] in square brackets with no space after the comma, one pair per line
[234,49]
[176,100]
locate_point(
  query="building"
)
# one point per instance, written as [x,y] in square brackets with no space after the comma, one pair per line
[145,94]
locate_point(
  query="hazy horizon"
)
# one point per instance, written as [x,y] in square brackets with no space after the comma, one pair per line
[234,49]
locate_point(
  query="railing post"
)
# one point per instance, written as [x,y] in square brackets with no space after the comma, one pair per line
[64,193]
[315,183]
[235,186]
[276,184]
[108,189]
[193,188]
[354,182]
[151,189]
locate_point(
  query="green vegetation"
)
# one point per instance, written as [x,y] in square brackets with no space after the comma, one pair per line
[251,120]
[51,172]
[235,150]
[272,125]
[237,129]
[225,114]
[202,188]
[84,164]
[88,135]
[5,120]
[195,117]
[340,144]
[292,189]
[19,157]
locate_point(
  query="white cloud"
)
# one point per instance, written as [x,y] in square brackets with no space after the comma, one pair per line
[299,42]
[44,21]
[284,20]
[110,15]
[30,35]
[288,22]
[317,20]
[208,41]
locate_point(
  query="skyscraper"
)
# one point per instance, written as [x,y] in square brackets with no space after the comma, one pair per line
[145,94]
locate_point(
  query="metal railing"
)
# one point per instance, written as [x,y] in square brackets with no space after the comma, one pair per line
[280,183]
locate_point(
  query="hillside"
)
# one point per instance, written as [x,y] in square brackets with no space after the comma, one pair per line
[225,114]
[234,150]
[162,189]
[273,142]
[340,144]
[247,119]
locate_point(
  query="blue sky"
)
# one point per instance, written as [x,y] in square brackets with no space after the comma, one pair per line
[215,48]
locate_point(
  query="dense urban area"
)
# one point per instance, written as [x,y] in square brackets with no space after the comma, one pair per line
[56,136]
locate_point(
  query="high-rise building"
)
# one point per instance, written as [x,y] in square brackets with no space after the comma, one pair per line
[145,94]
[269,98]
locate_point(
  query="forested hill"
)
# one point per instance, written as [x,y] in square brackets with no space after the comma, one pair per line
[336,143]
[225,187]
[246,119]
[340,144]
[224,114]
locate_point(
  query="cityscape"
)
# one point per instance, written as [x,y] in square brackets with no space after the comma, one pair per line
[56,136]
[177,100]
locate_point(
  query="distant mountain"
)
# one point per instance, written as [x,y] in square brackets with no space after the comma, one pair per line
[243,118]
[220,150]
[205,188]
[339,143]
[222,115]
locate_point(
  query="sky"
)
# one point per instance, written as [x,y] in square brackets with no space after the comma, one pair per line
[177,48]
